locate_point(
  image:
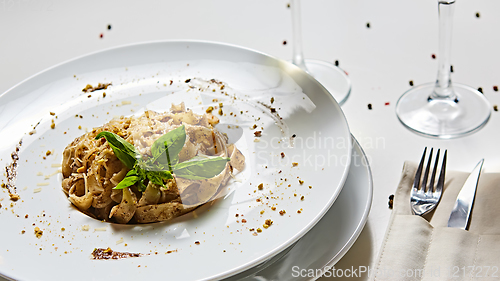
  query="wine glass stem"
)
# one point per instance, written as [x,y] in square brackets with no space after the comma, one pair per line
[443,89]
[298,57]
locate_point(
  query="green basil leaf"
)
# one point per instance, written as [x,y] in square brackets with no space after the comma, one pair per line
[157,177]
[166,175]
[123,150]
[142,166]
[125,158]
[165,150]
[148,165]
[201,167]
[141,186]
[130,179]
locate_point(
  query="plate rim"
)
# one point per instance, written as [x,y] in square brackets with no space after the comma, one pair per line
[366,212]
[347,244]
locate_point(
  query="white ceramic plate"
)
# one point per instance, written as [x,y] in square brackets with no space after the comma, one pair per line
[330,239]
[141,76]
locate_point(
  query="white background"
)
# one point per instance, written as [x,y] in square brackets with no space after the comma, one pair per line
[380,60]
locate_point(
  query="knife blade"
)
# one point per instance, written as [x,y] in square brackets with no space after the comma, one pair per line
[460,215]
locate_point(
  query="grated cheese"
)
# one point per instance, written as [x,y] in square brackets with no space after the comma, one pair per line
[53,174]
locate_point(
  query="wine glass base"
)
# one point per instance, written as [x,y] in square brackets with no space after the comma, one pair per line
[443,118]
[334,79]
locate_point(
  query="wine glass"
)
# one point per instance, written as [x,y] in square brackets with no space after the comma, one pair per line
[334,79]
[443,109]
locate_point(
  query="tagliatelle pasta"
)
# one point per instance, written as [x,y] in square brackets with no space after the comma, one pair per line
[92,171]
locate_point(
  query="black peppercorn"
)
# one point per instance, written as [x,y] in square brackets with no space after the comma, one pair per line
[391,201]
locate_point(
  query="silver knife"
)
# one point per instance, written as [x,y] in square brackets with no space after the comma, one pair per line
[460,215]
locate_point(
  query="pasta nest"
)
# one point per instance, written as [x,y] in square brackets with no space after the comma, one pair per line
[91,170]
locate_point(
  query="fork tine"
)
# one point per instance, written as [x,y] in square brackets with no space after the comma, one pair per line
[426,173]
[440,183]
[423,198]
[433,177]
[416,182]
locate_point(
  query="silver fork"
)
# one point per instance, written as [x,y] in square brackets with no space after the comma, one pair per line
[424,198]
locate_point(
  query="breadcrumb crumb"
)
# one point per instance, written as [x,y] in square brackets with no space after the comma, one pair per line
[38,232]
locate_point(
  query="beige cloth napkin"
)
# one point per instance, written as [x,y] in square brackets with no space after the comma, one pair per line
[424,248]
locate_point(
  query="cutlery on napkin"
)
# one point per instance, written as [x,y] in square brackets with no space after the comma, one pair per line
[416,249]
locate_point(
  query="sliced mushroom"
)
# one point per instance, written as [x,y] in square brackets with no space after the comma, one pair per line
[237,159]
[160,212]
[125,211]
[82,202]
[151,195]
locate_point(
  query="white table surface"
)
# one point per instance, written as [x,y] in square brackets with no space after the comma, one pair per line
[380,60]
